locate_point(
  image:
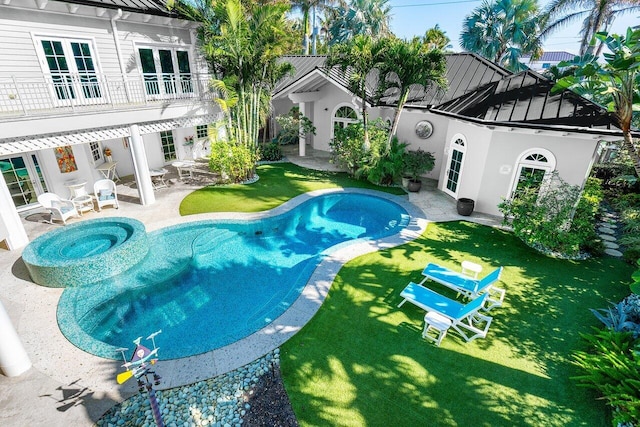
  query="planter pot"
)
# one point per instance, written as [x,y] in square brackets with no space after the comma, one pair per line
[465,206]
[414,186]
[405,181]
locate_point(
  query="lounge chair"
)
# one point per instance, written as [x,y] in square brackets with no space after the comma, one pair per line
[466,285]
[106,193]
[60,209]
[464,317]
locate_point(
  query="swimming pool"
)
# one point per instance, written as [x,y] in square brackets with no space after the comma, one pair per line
[207,284]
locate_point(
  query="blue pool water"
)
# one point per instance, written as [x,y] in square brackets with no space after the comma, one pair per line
[207,284]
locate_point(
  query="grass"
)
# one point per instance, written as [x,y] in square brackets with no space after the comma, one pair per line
[361,360]
[278,183]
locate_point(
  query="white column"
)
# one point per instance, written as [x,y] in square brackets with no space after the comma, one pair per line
[141,167]
[14,359]
[302,145]
[11,228]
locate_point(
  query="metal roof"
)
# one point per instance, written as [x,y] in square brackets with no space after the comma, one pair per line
[526,98]
[149,7]
[554,56]
[302,65]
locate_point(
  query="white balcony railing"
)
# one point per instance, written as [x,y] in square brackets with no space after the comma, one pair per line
[66,92]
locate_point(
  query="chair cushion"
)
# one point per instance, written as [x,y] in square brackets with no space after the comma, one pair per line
[105,195]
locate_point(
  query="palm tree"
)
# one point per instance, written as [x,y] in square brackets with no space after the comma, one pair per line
[309,8]
[503,31]
[435,38]
[596,16]
[368,17]
[405,65]
[618,77]
[357,57]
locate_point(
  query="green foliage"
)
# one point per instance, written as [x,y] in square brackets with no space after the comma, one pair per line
[233,162]
[612,366]
[293,125]
[271,152]
[386,162]
[347,147]
[635,286]
[622,317]
[418,162]
[554,217]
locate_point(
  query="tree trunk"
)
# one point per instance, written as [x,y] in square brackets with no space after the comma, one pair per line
[631,150]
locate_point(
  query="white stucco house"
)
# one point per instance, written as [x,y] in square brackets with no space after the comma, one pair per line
[487,130]
[78,77]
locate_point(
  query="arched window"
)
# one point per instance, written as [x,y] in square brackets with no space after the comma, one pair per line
[533,168]
[343,117]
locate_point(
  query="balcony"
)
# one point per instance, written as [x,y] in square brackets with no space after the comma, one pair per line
[67,93]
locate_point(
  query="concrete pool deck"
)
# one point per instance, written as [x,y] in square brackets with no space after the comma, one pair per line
[67,386]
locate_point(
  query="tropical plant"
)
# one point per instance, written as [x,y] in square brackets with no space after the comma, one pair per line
[353,17]
[293,126]
[307,8]
[618,77]
[611,366]
[551,218]
[595,15]
[418,162]
[503,31]
[357,57]
[271,152]
[233,162]
[436,38]
[405,65]
[243,44]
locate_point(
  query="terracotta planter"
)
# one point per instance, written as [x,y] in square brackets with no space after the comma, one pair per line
[465,206]
[414,186]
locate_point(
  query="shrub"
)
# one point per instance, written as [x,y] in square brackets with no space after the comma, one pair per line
[271,152]
[611,365]
[348,150]
[234,162]
[554,217]
[385,163]
[418,162]
[292,126]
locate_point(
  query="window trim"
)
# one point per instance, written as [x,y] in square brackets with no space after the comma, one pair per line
[176,75]
[335,110]
[522,162]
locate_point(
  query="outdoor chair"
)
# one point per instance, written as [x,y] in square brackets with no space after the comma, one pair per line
[466,285]
[106,193]
[60,209]
[465,318]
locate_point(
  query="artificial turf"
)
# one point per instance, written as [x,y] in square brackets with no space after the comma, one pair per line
[278,183]
[361,360]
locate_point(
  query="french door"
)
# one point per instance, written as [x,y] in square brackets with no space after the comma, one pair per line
[166,72]
[72,71]
[454,168]
[24,179]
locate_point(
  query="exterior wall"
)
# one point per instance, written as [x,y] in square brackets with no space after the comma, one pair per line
[323,110]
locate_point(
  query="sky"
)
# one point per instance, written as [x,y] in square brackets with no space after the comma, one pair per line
[413,17]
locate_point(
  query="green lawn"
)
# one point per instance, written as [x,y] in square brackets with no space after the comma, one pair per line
[278,183]
[361,360]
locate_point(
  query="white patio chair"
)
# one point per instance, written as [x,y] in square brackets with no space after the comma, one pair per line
[60,209]
[106,193]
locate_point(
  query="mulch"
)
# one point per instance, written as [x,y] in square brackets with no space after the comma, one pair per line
[270,405]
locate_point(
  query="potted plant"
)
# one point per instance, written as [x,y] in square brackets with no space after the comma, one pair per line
[417,162]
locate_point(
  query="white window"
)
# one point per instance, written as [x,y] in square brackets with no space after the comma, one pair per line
[166,71]
[533,169]
[70,67]
[343,117]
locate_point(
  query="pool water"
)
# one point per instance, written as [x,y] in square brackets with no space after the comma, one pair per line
[208,284]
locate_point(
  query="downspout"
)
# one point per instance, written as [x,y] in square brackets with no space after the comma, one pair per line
[116,40]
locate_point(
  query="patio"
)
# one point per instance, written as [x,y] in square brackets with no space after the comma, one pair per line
[68,386]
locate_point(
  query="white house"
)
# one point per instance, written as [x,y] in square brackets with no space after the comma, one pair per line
[78,77]
[488,130]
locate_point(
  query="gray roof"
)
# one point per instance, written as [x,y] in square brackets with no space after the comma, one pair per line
[150,7]
[526,98]
[554,56]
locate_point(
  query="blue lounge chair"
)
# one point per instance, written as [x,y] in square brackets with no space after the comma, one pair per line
[464,317]
[466,285]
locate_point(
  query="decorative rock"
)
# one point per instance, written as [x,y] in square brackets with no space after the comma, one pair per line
[606,230]
[613,252]
[610,245]
[607,237]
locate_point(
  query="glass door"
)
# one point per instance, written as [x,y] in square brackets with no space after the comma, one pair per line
[24,179]
[454,170]
[166,72]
